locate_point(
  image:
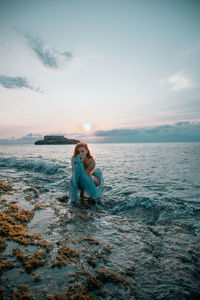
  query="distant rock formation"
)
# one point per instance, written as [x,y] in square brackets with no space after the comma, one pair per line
[56,140]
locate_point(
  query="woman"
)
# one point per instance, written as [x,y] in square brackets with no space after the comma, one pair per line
[84,175]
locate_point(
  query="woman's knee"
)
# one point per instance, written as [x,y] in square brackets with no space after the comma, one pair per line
[96,180]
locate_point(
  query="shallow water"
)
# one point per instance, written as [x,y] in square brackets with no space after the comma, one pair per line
[147,227]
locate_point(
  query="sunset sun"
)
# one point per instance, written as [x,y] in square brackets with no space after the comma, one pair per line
[87,126]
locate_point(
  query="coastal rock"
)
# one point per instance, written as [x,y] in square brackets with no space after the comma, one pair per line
[56,140]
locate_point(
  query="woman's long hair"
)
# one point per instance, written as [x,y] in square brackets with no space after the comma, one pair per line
[89,155]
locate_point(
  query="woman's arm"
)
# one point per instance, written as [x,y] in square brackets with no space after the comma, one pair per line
[72,161]
[91,166]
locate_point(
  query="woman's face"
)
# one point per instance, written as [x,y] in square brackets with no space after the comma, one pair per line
[82,152]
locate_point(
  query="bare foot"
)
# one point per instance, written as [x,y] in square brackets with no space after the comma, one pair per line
[91,201]
[81,194]
[63,198]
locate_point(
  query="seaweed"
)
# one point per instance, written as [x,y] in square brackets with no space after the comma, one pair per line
[90,240]
[95,282]
[13,226]
[92,261]
[66,256]
[3,244]
[5,265]
[39,206]
[78,294]
[5,188]
[21,294]
[106,274]
[28,262]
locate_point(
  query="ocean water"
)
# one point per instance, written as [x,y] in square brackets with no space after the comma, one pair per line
[149,213]
[156,182]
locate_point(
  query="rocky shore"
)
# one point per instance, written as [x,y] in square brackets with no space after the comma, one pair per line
[52,250]
[58,264]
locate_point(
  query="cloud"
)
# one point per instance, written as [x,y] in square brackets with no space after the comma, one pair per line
[50,57]
[178,132]
[178,81]
[9,82]
[27,139]
[189,51]
[67,54]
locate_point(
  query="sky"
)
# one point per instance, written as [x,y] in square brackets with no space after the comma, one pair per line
[89,68]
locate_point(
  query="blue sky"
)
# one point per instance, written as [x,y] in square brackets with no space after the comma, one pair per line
[110,64]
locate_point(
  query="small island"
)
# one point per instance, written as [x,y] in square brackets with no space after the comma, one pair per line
[56,140]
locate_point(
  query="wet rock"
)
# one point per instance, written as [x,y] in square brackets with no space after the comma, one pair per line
[63,199]
[92,261]
[38,278]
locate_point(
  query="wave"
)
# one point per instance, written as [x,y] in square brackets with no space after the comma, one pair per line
[29,165]
[138,207]
[155,211]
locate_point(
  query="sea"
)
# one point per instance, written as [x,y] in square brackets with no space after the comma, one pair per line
[149,214]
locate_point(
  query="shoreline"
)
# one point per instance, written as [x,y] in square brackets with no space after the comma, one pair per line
[51,250]
[34,255]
